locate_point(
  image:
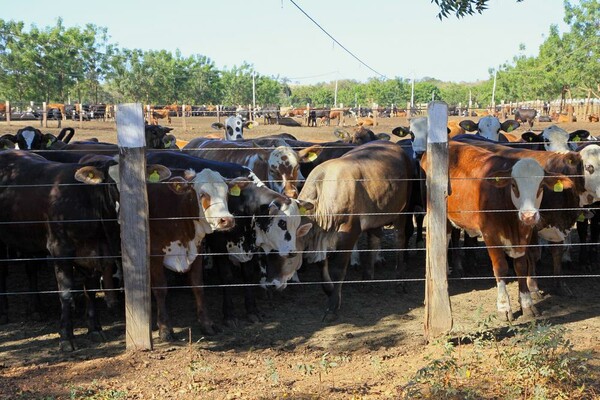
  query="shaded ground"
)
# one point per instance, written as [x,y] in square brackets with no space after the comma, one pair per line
[372,351]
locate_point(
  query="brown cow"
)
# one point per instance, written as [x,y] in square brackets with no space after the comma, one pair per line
[593,118]
[157,114]
[481,181]
[363,190]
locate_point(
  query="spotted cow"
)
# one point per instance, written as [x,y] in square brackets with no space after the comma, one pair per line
[234,127]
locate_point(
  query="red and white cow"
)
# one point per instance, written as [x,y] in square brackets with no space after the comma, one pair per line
[482,181]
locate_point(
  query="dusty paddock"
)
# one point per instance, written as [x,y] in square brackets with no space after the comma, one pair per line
[373,351]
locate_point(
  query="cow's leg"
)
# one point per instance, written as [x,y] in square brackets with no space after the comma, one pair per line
[64,279]
[355,256]
[34,307]
[594,237]
[92,284]
[533,255]
[455,257]
[3,299]
[500,266]
[159,290]
[374,240]
[582,233]
[558,284]
[224,267]
[249,276]
[196,277]
[525,300]
[470,254]
[337,266]
[419,218]
[402,247]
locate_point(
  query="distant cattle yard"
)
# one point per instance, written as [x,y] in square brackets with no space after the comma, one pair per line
[311,182]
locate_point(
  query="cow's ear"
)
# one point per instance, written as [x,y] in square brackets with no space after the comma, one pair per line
[217,126]
[237,185]
[401,131]
[383,136]
[530,136]
[169,142]
[89,175]
[500,178]
[179,185]
[250,124]
[303,229]
[310,154]
[468,125]
[509,125]
[157,173]
[579,135]
[304,206]
[557,182]
[48,140]
[341,133]
[9,138]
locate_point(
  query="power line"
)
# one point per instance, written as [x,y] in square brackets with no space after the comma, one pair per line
[336,41]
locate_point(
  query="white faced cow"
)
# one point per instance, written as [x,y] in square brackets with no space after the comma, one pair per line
[234,127]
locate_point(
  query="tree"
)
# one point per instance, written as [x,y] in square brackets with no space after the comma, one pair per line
[461,8]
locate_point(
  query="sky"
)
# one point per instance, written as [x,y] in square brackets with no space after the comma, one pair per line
[396,38]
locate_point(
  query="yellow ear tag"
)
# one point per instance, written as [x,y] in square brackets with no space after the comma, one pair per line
[168,144]
[581,218]
[576,139]
[154,177]
[49,143]
[178,187]
[235,190]
[558,186]
[302,210]
[312,156]
[510,129]
[91,175]
[529,138]
[497,179]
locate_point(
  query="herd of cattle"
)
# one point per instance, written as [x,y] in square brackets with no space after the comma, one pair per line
[272,203]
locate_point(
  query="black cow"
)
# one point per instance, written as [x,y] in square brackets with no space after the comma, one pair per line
[40,199]
[525,115]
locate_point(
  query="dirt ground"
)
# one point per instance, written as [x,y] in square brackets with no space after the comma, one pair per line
[373,351]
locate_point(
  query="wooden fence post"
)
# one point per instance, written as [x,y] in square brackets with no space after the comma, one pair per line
[438,313]
[183,117]
[7,112]
[133,218]
[80,115]
[219,113]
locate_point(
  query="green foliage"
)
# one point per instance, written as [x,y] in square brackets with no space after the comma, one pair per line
[461,8]
[95,392]
[272,373]
[537,362]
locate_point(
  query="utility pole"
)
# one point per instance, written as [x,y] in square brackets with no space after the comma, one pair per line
[494,92]
[335,93]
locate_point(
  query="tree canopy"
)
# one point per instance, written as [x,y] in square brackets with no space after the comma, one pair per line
[60,64]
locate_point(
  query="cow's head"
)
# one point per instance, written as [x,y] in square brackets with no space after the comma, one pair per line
[213,191]
[360,135]
[590,156]
[284,168]
[279,224]
[489,127]
[156,137]
[30,138]
[525,179]
[418,133]
[234,127]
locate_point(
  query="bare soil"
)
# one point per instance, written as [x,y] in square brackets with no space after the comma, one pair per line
[372,351]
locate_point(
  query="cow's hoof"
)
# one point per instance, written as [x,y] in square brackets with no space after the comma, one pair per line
[564,290]
[167,335]
[66,346]
[231,323]
[3,319]
[354,265]
[506,316]
[330,316]
[35,316]
[537,295]
[254,318]
[530,312]
[97,336]
[208,328]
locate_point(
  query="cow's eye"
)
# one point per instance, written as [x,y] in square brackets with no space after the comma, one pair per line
[282,224]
